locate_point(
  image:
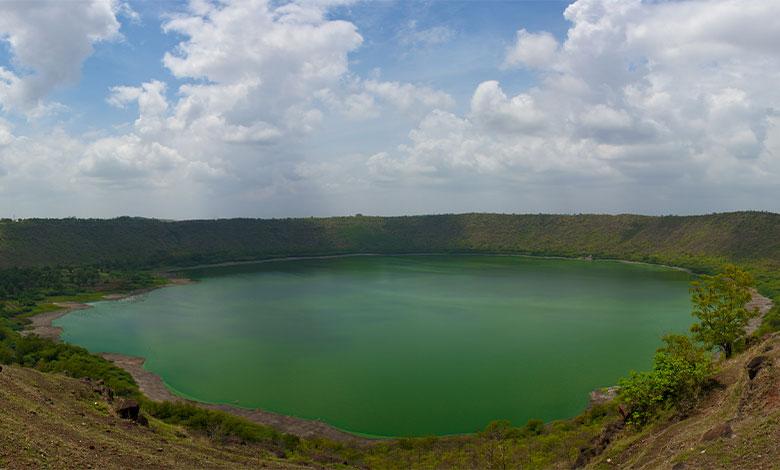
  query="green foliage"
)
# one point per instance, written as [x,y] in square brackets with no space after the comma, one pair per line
[534,426]
[216,424]
[771,322]
[719,302]
[704,244]
[501,429]
[47,356]
[679,374]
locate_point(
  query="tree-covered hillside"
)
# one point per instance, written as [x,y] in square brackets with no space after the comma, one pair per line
[700,242]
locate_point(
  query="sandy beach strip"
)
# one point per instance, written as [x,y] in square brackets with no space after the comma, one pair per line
[41,324]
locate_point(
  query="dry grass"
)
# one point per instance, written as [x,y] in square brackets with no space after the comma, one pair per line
[52,421]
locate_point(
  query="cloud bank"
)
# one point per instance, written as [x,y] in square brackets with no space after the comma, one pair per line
[652,107]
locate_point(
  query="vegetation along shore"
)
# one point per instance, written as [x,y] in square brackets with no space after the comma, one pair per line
[49,263]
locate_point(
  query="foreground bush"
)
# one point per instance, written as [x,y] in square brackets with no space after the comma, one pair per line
[679,374]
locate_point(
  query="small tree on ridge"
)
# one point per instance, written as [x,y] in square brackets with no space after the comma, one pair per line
[719,302]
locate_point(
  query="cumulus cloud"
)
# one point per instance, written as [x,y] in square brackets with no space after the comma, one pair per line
[410,99]
[49,41]
[634,87]
[532,50]
[637,107]
[262,64]
[655,94]
[495,112]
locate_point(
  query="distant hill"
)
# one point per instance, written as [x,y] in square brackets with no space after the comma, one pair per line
[699,242]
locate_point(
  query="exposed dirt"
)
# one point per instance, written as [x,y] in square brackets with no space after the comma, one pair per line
[41,325]
[763,304]
[53,421]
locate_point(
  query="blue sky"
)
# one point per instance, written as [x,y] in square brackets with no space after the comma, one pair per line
[255,108]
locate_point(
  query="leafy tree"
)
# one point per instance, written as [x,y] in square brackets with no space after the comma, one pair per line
[680,371]
[719,302]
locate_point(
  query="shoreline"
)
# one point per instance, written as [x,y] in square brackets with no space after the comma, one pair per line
[152,385]
[154,388]
[42,323]
[353,255]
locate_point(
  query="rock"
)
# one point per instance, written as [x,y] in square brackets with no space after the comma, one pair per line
[724,430]
[128,409]
[142,420]
[601,396]
[679,466]
[1,368]
[755,365]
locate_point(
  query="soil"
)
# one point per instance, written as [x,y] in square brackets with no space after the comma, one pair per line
[760,303]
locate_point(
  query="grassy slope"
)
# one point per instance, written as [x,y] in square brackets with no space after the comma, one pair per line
[751,407]
[52,421]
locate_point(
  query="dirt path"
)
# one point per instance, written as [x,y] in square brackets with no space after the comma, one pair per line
[153,387]
[763,304]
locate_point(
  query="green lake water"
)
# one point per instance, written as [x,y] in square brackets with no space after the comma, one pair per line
[398,345]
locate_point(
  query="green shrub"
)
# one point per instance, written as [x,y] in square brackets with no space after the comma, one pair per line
[213,423]
[680,372]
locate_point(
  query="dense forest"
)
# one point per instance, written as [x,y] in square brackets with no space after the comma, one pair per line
[703,243]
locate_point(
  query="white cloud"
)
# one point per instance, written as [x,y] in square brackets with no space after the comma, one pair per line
[49,41]
[120,160]
[495,112]
[653,100]
[152,104]
[410,99]
[532,50]
[262,62]
[638,107]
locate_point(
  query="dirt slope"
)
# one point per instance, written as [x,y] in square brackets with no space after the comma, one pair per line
[52,421]
[736,426]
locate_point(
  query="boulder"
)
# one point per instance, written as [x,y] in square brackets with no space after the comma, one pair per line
[755,365]
[723,430]
[128,409]
[601,396]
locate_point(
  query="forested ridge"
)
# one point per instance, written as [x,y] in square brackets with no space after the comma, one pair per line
[736,236]
[703,243]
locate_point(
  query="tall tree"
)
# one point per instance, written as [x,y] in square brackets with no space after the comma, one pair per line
[719,302]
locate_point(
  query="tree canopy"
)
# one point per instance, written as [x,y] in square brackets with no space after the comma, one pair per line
[720,303]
